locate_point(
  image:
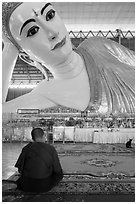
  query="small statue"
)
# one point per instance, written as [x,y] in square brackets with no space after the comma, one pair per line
[128,143]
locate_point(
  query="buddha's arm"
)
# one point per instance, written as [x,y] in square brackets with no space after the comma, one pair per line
[9,58]
[30,100]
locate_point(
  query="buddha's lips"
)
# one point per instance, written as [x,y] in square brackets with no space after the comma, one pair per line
[60,44]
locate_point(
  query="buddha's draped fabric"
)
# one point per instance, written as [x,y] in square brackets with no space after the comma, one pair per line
[111,70]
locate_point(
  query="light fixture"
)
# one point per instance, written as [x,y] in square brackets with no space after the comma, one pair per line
[22,86]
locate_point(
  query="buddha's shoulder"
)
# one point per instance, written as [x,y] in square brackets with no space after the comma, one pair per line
[94,45]
[94,40]
[102,44]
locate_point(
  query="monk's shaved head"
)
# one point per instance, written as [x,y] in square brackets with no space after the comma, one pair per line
[37,133]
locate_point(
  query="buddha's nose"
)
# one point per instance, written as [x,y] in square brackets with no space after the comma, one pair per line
[52,35]
[48,28]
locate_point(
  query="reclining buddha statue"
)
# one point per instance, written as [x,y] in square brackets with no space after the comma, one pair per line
[98,75]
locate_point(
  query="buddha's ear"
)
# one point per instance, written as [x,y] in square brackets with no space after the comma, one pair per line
[25,57]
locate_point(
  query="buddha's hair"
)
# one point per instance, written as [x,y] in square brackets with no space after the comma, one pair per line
[7,10]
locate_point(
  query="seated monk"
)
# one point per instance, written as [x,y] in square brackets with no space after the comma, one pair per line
[38,165]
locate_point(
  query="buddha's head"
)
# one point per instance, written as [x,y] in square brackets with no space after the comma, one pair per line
[36,29]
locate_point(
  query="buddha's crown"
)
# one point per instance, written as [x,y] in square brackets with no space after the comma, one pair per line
[7,9]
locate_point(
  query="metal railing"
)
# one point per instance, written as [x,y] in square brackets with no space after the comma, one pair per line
[107,34]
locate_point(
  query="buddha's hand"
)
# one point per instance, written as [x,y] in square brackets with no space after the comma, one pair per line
[8,45]
[5,39]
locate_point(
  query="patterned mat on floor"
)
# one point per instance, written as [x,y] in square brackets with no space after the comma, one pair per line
[93,173]
[93,148]
[74,187]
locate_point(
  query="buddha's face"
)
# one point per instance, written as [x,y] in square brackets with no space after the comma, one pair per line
[38,29]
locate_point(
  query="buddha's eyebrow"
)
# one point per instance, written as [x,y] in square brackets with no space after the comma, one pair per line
[46,5]
[26,22]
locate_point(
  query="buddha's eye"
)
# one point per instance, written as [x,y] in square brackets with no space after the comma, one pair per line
[50,14]
[32,31]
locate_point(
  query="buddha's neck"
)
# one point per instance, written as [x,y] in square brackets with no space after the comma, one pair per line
[71,68]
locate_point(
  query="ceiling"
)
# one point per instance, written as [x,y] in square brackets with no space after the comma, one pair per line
[83,16]
[94,16]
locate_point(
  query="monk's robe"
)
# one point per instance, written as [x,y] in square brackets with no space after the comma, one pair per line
[39,167]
